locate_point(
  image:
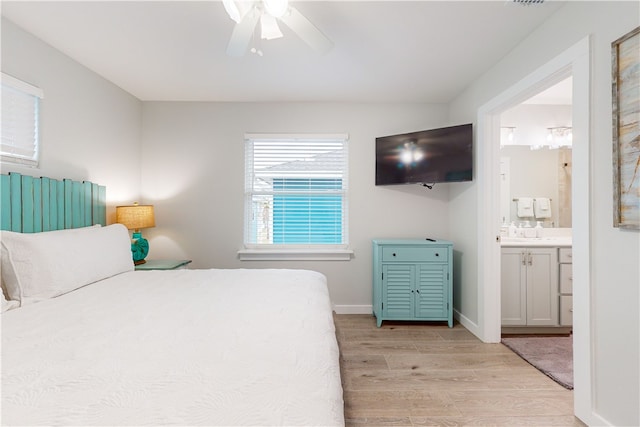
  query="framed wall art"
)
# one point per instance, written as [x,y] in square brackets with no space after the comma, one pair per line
[626,130]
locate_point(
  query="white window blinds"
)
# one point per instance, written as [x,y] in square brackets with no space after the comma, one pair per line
[296,190]
[20,121]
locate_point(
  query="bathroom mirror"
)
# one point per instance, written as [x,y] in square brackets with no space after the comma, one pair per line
[535,162]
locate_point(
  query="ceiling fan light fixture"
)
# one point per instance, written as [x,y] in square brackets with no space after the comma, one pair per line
[270,13]
[276,8]
[237,9]
[232,10]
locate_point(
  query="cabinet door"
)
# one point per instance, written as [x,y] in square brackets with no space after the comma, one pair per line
[397,290]
[566,310]
[513,287]
[542,287]
[566,255]
[566,278]
[432,291]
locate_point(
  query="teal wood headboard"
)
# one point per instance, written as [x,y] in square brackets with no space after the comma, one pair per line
[32,205]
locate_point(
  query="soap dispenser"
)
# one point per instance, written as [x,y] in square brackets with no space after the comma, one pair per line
[528,231]
[512,229]
[538,229]
[504,230]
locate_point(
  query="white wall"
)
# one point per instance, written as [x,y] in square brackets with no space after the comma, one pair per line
[90,128]
[614,273]
[193,172]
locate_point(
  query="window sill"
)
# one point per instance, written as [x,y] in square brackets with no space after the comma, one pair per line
[295,254]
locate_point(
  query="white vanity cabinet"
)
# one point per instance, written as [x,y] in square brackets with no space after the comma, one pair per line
[529,280]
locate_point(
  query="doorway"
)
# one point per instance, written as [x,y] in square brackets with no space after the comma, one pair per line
[535,173]
[574,62]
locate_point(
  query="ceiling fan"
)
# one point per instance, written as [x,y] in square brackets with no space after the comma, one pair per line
[247,13]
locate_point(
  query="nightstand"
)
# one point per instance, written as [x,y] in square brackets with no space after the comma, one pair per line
[163,264]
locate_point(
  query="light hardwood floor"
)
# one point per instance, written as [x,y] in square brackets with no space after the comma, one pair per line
[425,374]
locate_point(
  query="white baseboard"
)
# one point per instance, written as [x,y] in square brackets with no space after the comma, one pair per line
[353,309]
[596,420]
[467,323]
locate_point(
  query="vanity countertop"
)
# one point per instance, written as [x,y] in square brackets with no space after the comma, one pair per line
[551,241]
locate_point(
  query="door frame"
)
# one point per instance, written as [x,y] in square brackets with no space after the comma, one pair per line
[575,62]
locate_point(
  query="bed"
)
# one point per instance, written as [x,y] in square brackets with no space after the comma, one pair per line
[93,342]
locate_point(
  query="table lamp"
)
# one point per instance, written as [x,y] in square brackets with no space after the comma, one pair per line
[135,217]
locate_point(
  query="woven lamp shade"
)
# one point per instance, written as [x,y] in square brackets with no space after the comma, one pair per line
[136,217]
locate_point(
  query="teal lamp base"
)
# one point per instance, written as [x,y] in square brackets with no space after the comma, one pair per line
[139,248]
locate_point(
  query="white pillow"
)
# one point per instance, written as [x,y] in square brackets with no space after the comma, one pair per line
[44,265]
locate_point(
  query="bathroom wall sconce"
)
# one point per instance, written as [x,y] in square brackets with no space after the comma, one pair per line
[559,137]
[556,137]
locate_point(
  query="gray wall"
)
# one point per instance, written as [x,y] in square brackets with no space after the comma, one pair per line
[90,128]
[193,171]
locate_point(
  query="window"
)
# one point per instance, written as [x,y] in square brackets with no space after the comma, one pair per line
[295,191]
[20,118]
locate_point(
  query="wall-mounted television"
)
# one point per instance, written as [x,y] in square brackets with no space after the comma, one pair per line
[425,157]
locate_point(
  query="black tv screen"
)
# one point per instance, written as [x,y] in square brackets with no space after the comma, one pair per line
[425,157]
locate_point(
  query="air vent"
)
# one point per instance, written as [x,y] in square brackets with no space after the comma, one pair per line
[528,2]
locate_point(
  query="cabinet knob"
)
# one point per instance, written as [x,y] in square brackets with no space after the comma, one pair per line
[394,254]
[437,254]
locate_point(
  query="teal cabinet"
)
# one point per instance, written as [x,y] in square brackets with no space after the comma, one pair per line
[412,280]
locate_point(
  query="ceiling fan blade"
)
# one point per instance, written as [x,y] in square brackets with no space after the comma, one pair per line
[269,27]
[306,30]
[242,33]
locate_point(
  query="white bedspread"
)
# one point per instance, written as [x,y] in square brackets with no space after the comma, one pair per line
[185,347]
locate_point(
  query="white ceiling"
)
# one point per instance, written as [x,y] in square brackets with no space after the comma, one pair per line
[385,51]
